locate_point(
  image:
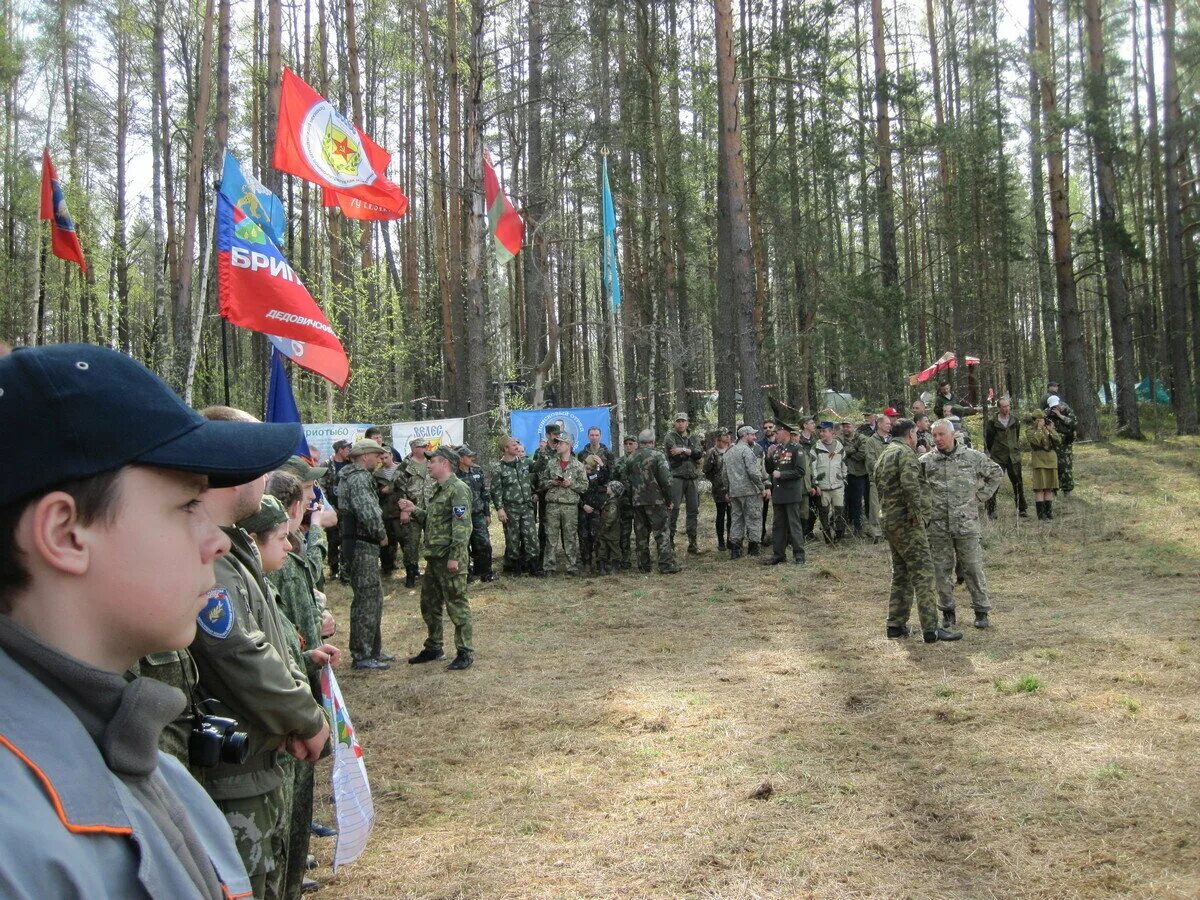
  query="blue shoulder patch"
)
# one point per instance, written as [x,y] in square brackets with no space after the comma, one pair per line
[216,618]
[460,512]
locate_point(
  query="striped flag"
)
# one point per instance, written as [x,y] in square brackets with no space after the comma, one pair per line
[504,222]
[351,791]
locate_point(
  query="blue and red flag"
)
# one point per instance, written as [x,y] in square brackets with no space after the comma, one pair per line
[64,242]
[257,289]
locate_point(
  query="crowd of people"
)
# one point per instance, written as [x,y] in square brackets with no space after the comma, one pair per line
[163,621]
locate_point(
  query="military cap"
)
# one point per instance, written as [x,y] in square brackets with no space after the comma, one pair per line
[419,442]
[681,417]
[90,410]
[629,439]
[722,431]
[448,453]
[302,469]
[270,514]
[340,444]
[890,412]
[565,438]
[616,488]
[780,425]
[464,450]
[826,424]
[745,430]
[366,446]
[646,436]
[553,428]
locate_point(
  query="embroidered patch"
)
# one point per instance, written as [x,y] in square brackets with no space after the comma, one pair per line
[460,512]
[216,618]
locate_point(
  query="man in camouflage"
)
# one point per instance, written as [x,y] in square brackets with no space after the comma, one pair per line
[512,495]
[338,461]
[683,452]
[389,483]
[545,454]
[481,540]
[447,521]
[905,509]
[1066,424]
[608,540]
[960,479]
[648,480]
[563,482]
[629,445]
[418,487]
[362,535]
[714,471]
[747,481]
[857,479]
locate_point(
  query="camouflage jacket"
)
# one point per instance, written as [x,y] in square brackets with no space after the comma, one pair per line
[959,481]
[298,603]
[620,472]
[329,480]
[610,518]
[714,471]
[904,499]
[682,466]
[512,485]
[1067,423]
[480,500]
[743,470]
[447,521]
[597,488]
[603,452]
[647,478]
[575,476]
[390,487]
[538,463]
[828,465]
[418,485]
[358,503]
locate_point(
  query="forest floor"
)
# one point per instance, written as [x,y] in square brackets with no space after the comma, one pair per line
[736,731]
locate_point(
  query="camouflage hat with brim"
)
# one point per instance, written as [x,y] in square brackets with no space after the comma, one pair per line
[745,430]
[419,442]
[682,417]
[302,469]
[446,453]
[366,446]
[464,450]
[616,488]
[271,514]
[629,439]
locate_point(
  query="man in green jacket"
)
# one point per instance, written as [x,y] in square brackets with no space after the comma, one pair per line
[563,482]
[683,452]
[363,534]
[1002,441]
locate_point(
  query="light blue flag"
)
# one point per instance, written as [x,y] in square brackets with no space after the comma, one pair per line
[529,425]
[249,195]
[612,275]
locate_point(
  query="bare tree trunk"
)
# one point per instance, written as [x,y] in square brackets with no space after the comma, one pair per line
[1041,230]
[120,248]
[476,425]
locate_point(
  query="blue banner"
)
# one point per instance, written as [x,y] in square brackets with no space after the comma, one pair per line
[608,261]
[281,403]
[529,425]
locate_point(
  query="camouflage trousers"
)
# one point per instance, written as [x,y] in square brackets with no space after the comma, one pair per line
[831,508]
[387,554]
[520,539]
[745,520]
[441,589]
[608,541]
[962,550]
[626,538]
[562,538]
[410,542]
[647,521]
[260,827]
[480,545]
[300,833]
[912,573]
[1066,468]
[589,534]
[684,490]
[366,609]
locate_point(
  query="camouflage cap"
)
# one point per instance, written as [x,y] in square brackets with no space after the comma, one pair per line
[565,438]
[682,417]
[745,430]
[464,450]
[340,444]
[723,431]
[616,488]
[270,515]
[302,469]
[447,453]
[419,442]
[646,436]
[366,446]
[629,439]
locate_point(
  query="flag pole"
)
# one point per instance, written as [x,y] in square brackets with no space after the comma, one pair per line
[610,313]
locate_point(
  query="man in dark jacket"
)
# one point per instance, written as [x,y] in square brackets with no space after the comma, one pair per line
[791,485]
[1002,441]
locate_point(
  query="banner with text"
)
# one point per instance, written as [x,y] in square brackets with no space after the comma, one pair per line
[529,425]
[436,431]
[321,437]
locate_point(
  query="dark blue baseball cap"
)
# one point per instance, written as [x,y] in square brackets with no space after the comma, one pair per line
[90,410]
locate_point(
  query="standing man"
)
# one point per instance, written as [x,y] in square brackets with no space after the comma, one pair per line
[960,479]
[791,486]
[543,456]
[1002,441]
[512,494]
[337,462]
[563,482]
[595,448]
[629,446]
[747,480]
[829,478]
[390,488]
[481,541]
[649,481]
[807,439]
[683,452]
[906,509]
[362,535]
[714,465]
[418,488]
[857,481]
[1065,423]
[447,521]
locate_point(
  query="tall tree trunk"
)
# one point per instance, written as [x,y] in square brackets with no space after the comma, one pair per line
[120,248]
[475,310]
[542,347]
[1041,230]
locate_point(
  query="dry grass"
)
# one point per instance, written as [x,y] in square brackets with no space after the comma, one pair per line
[736,731]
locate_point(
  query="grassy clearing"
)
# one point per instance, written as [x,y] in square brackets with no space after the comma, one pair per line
[736,731]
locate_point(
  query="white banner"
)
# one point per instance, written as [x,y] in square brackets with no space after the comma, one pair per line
[321,437]
[351,791]
[435,431]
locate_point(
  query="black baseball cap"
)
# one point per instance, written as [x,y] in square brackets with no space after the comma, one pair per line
[91,410]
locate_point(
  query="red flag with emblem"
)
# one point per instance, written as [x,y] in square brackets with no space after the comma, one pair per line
[64,241]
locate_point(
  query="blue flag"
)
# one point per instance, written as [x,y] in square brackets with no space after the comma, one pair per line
[281,404]
[249,195]
[612,276]
[529,425]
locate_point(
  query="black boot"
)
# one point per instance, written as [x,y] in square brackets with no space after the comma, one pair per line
[427,655]
[693,547]
[773,561]
[1049,509]
[949,620]
[981,619]
[463,661]
[721,545]
[735,549]
[753,551]
[897,631]
[410,576]
[942,634]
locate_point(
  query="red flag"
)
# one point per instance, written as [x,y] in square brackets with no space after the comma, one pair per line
[257,289]
[506,224]
[315,142]
[353,208]
[64,242]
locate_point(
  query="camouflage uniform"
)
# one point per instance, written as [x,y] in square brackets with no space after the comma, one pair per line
[904,509]
[562,514]
[447,522]
[714,471]
[873,447]
[418,487]
[683,481]
[621,474]
[746,479]
[512,491]
[606,455]
[649,484]
[362,532]
[858,478]
[608,542]
[960,481]
[1066,425]
[389,484]
[542,457]
[334,533]
[178,669]
[589,522]
[481,541]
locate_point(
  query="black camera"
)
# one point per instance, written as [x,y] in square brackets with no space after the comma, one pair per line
[216,740]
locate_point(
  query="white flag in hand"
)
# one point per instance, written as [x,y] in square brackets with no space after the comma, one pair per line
[351,790]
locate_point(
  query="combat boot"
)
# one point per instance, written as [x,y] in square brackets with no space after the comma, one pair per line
[427,655]
[670,569]
[602,568]
[721,545]
[410,576]
[1049,509]
[949,619]
[773,561]
[898,631]
[942,634]
[369,664]
[462,661]
[693,547]
[981,619]
[735,549]
[753,551]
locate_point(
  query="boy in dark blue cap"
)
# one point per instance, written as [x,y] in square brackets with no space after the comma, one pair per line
[106,556]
